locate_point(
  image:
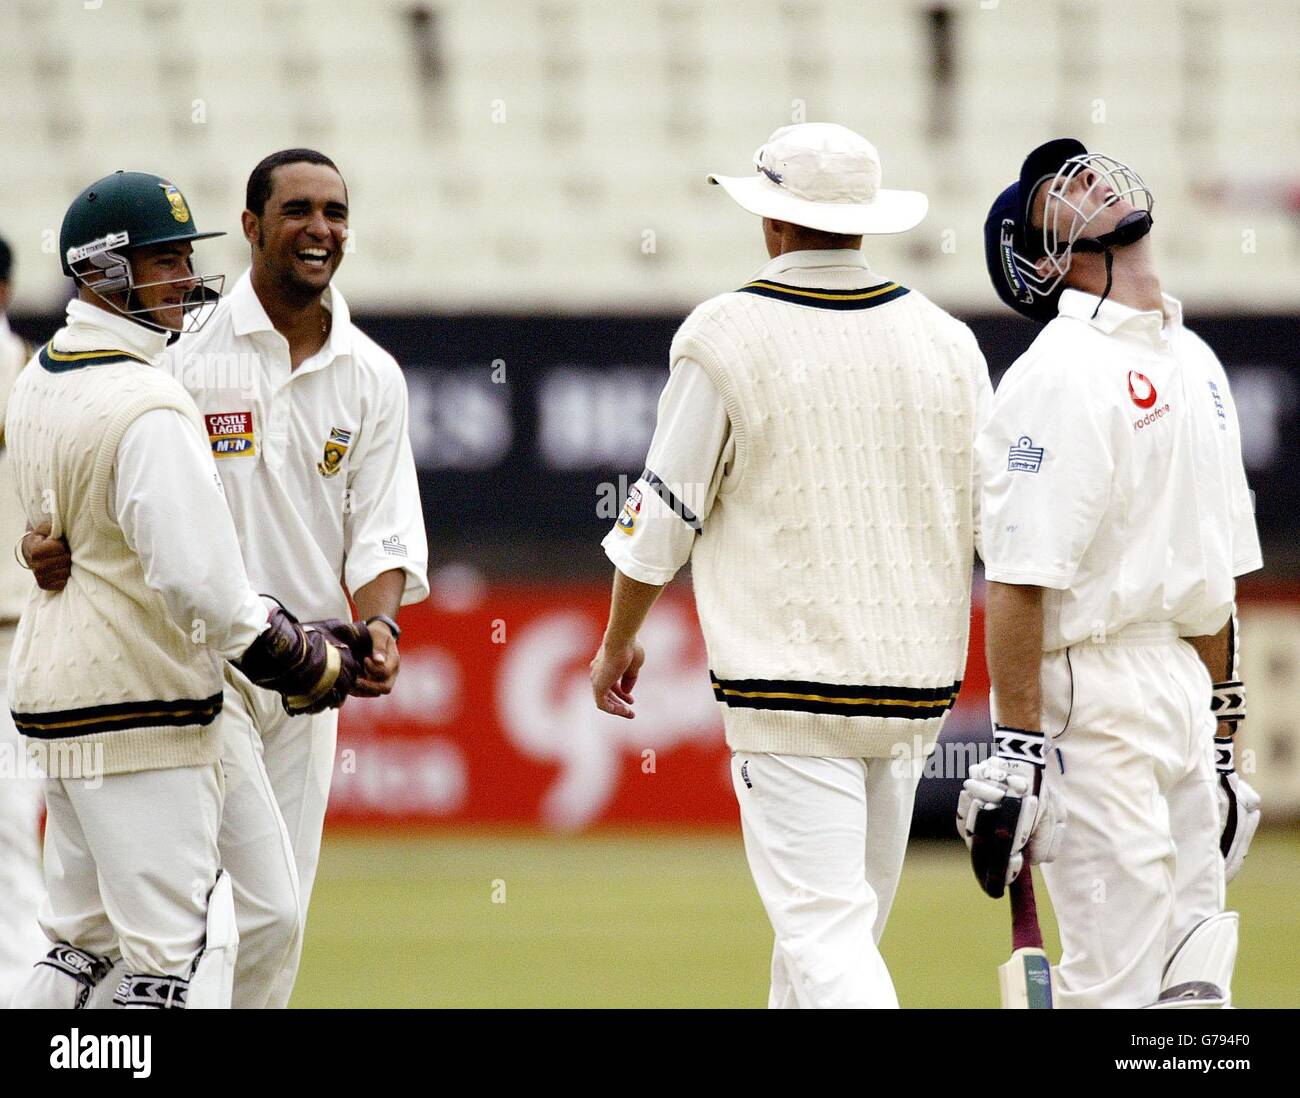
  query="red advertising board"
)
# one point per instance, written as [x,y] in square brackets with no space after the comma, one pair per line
[492,719]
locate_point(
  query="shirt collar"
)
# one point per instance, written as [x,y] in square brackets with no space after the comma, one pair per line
[1154,325]
[806,260]
[108,331]
[247,316]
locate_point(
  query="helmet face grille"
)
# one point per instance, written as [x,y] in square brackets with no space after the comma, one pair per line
[108,275]
[1064,219]
[104,226]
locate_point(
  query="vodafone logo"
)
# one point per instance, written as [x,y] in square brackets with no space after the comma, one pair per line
[1141,389]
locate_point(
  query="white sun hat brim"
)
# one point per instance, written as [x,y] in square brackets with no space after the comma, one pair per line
[887,211]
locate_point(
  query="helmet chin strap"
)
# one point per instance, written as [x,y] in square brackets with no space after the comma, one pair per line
[1132,228]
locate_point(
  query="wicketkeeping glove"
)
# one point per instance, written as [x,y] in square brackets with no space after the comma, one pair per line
[311,665]
[1005,814]
[1238,802]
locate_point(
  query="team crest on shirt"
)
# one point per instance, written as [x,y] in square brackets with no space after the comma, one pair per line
[336,446]
[632,508]
[1024,456]
[231,434]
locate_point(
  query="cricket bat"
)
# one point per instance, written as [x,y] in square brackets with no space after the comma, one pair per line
[1025,981]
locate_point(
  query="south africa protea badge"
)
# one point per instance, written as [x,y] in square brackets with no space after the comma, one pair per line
[335,448]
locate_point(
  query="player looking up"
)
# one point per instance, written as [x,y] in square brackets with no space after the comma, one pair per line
[1115,517]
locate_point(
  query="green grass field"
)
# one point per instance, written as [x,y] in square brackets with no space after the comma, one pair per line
[673,921]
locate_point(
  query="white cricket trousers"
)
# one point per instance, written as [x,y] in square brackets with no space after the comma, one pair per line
[1140,865]
[258,855]
[21,887]
[278,772]
[130,860]
[270,834]
[825,840]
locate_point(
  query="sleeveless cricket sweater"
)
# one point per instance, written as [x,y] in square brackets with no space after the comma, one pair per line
[101,677]
[833,574]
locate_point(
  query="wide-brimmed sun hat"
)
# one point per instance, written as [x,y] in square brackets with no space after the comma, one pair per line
[824,176]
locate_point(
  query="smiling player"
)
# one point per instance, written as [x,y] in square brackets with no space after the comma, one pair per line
[307,419]
[323,491]
[117,676]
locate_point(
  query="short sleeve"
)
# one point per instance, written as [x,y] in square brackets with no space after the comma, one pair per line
[384,527]
[1046,469]
[667,506]
[983,413]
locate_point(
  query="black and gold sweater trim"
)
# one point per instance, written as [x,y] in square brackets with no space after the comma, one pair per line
[58,362]
[867,298]
[909,702]
[95,719]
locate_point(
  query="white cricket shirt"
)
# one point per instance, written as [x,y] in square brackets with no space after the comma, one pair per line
[1112,475]
[316,462]
[689,454]
[166,498]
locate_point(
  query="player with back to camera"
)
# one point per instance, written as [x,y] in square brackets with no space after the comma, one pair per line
[814,459]
[1115,519]
[314,453]
[124,720]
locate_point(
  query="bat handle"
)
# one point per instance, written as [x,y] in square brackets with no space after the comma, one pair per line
[1025,933]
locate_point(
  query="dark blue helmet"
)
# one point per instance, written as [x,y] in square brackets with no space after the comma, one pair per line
[1013,248]
[1009,247]
[1004,249]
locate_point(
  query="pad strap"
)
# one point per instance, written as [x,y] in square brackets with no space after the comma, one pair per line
[156,992]
[86,968]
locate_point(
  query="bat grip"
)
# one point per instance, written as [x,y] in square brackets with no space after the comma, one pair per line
[1025,933]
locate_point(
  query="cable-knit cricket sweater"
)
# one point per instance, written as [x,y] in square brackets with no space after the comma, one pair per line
[102,680]
[833,573]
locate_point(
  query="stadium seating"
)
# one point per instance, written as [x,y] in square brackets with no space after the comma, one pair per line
[549,154]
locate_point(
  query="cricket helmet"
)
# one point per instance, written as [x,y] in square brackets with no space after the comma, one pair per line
[1013,247]
[114,216]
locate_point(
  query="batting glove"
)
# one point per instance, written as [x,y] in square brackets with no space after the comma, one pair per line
[1005,813]
[1238,809]
[1238,802]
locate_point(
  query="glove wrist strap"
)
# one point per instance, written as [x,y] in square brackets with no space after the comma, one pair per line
[1224,755]
[1228,704]
[1020,744]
